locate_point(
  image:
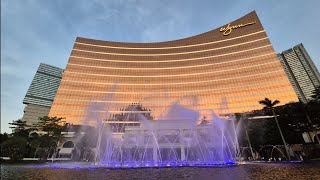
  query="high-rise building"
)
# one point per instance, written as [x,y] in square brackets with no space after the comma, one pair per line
[41,92]
[226,70]
[301,71]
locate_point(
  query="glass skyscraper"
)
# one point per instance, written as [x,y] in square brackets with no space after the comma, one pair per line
[41,92]
[226,70]
[301,71]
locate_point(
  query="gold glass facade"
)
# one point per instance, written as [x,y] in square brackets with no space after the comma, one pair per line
[239,67]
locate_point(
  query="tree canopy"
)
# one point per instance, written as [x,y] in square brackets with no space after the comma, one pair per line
[20,128]
[268,103]
[53,126]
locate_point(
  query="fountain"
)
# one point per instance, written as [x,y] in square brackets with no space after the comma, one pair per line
[134,138]
[273,152]
[177,139]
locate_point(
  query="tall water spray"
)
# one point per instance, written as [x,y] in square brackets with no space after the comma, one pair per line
[174,138]
[177,139]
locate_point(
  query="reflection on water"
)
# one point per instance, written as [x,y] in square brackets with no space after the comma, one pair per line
[246,171]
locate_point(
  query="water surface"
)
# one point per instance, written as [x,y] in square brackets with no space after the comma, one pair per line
[290,171]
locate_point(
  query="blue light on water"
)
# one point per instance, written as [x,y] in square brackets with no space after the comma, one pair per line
[134,165]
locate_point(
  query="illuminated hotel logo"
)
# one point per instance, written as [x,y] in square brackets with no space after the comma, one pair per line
[227,30]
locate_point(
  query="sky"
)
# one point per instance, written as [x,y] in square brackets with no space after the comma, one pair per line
[35,31]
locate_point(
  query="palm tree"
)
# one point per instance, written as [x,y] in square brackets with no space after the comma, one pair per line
[268,104]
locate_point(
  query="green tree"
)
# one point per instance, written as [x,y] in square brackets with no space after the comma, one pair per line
[268,104]
[312,112]
[20,128]
[53,126]
[3,137]
[15,147]
[34,142]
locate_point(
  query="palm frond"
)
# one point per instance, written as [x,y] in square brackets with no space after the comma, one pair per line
[268,103]
[275,102]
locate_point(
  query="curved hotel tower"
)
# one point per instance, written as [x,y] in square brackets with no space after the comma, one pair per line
[227,70]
